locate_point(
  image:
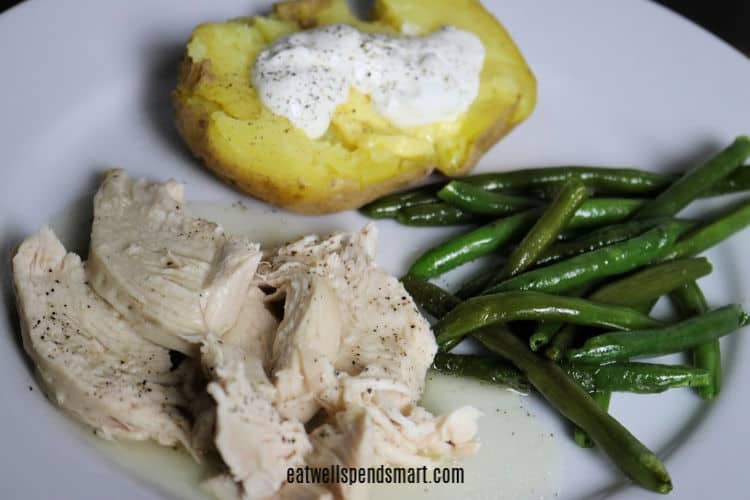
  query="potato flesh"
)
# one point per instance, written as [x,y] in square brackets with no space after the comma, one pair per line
[360,148]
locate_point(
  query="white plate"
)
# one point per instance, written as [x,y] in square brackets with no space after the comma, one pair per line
[85,85]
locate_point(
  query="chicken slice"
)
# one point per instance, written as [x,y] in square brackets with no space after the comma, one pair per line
[175,277]
[248,343]
[403,433]
[342,313]
[346,444]
[352,342]
[307,339]
[88,358]
[256,443]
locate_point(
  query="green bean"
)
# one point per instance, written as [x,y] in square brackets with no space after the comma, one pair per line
[639,290]
[389,205]
[737,182]
[599,238]
[617,346]
[711,233]
[565,338]
[592,213]
[602,399]
[572,334]
[485,368]
[477,282]
[629,454]
[697,181]
[652,282]
[602,180]
[561,342]
[549,180]
[584,268]
[472,245]
[479,201]
[491,237]
[598,212]
[545,230]
[433,299]
[434,214]
[544,331]
[690,301]
[516,306]
[641,378]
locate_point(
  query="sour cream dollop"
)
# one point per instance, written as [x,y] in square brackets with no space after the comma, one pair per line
[412,80]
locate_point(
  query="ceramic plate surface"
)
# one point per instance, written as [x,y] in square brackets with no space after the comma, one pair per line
[85,85]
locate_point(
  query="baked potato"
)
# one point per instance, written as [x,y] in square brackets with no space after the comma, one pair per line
[361,156]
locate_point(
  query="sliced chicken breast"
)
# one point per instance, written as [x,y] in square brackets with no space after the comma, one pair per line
[175,277]
[353,344]
[341,308]
[89,360]
[256,443]
[401,432]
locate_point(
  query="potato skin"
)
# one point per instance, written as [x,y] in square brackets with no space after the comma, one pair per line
[195,119]
[192,119]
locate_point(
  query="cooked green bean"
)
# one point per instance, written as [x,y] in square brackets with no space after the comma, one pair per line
[617,346]
[389,205]
[737,182]
[573,334]
[633,377]
[598,212]
[584,268]
[639,290]
[516,306]
[690,301]
[605,236]
[433,299]
[646,286]
[435,214]
[592,213]
[549,180]
[545,230]
[544,331]
[561,342]
[477,282]
[602,399]
[476,200]
[712,233]
[641,378]
[490,237]
[697,181]
[486,368]
[602,180]
[633,458]
[652,282]
[469,246]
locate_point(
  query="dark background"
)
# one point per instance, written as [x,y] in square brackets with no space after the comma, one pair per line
[728,19]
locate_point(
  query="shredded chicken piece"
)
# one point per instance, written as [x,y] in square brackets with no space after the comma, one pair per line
[175,277]
[89,359]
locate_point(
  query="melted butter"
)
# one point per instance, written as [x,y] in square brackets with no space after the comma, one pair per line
[518,459]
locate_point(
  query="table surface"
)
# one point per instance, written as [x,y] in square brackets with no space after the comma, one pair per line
[727,19]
